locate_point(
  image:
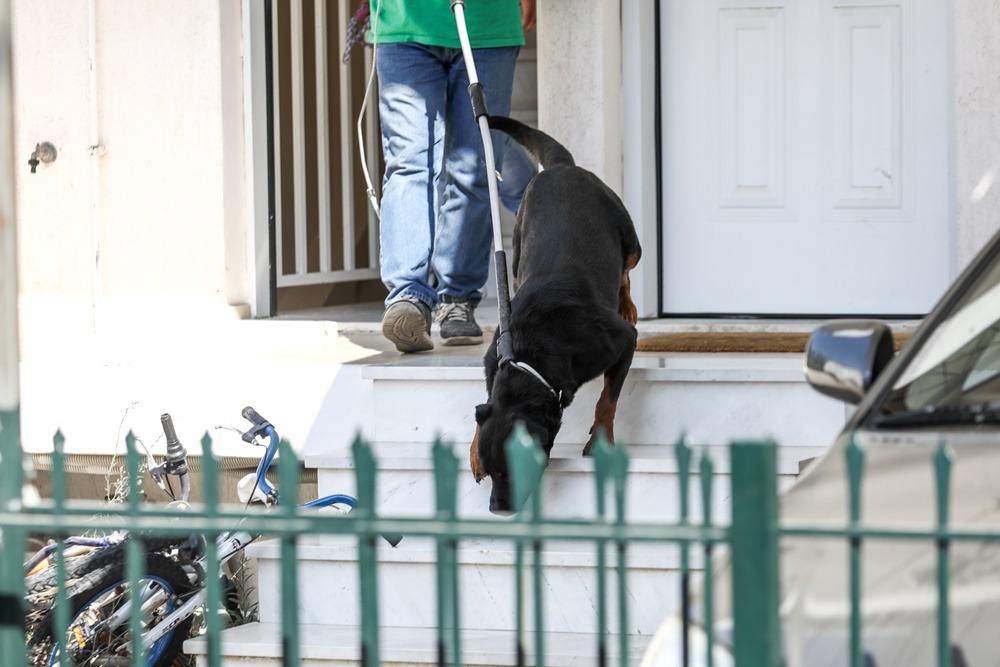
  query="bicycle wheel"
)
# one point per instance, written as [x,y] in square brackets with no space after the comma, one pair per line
[44,580]
[91,637]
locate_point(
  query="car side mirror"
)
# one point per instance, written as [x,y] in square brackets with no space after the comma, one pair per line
[844,357]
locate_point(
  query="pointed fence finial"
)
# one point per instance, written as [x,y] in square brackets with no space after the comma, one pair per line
[526,462]
[445,477]
[288,475]
[683,452]
[364,470]
[132,469]
[610,463]
[210,475]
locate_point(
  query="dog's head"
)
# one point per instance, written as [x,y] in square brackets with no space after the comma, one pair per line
[515,399]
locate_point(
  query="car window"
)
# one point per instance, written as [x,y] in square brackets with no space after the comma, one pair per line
[959,363]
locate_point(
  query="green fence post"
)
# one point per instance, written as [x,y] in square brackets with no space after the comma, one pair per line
[855,472]
[135,556]
[706,472]
[210,494]
[526,461]
[683,454]
[619,471]
[943,459]
[754,538]
[288,477]
[59,496]
[611,462]
[602,454]
[11,539]
[364,468]
[446,496]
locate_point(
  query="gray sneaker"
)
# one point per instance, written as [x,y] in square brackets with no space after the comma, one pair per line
[458,323]
[407,323]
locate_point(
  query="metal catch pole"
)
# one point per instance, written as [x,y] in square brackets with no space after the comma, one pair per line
[481,113]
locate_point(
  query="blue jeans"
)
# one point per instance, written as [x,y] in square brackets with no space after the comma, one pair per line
[436,232]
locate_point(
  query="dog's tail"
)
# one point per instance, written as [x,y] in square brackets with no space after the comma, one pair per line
[544,149]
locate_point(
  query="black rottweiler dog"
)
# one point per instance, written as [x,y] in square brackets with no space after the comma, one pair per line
[572,317]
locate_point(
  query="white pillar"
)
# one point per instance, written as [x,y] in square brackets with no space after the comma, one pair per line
[579,82]
[9,357]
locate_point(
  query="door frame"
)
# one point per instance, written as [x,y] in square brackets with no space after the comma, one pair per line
[258,159]
[641,171]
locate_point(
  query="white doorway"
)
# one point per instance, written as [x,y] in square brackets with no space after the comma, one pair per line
[805,156]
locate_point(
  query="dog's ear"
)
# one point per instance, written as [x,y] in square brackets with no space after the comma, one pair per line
[483,412]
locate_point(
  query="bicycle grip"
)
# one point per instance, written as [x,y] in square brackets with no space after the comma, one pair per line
[168,428]
[253,416]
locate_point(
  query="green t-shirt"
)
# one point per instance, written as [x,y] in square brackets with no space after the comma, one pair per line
[491,23]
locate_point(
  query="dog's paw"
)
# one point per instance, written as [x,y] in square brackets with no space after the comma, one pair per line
[596,431]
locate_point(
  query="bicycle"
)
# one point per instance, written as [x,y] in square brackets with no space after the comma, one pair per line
[173,589]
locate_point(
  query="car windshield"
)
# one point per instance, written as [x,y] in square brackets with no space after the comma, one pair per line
[959,364]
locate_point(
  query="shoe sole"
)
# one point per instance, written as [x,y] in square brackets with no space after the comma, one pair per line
[462,340]
[406,327]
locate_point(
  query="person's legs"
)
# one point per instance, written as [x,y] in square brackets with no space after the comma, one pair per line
[413,85]
[412,100]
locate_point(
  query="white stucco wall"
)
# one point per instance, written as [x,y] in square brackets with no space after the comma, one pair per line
[158,219]
[977,124]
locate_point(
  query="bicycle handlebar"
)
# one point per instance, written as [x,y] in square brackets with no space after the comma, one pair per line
[176,457]
[259,424]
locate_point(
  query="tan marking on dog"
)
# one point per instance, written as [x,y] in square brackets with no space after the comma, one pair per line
[604,419]
[626,307]
[477,466]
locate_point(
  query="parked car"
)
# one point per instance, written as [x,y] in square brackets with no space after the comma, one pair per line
[943,384]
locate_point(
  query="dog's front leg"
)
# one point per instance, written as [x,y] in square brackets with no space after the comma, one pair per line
[614,380]
[477,466]
[490,364]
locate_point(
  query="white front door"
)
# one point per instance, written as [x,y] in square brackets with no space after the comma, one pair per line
[805,153]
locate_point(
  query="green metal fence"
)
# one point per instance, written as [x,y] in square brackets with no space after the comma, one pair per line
[752,538]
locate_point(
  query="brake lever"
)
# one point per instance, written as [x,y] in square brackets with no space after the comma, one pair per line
[156,471]
[258,440]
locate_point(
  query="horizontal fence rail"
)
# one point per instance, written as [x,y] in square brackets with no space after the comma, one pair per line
[751,539]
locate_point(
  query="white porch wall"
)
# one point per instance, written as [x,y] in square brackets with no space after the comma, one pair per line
[164,204]
[977,124]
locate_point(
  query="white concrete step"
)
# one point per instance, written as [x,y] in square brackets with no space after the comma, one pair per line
[329,590]
[714,398]
[405,481]
[259,645]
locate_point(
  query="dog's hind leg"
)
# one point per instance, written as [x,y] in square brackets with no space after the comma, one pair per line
[614,380]
[626,307]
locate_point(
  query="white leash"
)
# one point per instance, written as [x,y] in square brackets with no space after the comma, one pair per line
[372,195]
